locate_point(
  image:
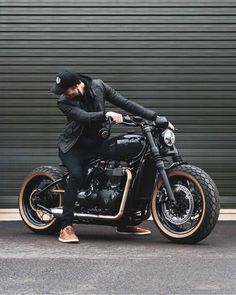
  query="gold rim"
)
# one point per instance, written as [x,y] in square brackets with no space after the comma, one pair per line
[21,197]
[154,209]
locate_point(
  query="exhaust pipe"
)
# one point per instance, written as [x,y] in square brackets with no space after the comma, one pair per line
[58,212]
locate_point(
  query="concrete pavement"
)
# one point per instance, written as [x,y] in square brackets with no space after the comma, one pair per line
[106,263]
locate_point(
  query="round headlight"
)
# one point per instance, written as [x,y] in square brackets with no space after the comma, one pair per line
[168,137]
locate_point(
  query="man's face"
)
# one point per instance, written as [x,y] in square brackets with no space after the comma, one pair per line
[77,89]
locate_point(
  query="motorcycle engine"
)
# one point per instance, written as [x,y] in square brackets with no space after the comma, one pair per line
[105,185]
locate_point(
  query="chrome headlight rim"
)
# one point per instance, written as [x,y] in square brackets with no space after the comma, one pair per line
[168,137]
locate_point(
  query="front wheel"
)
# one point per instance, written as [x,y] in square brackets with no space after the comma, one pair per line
[197,206]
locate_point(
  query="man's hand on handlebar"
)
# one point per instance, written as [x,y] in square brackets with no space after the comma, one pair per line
[117,118]
[164,123]
[172,127]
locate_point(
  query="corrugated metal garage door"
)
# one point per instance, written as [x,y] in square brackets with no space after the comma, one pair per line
[177,57]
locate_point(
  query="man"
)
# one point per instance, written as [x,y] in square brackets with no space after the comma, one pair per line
[82,101]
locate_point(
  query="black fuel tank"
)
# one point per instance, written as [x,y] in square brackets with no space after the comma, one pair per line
[122,147]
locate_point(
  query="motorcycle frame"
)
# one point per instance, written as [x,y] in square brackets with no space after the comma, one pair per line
[150,151]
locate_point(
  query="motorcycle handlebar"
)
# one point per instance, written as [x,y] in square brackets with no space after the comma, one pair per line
[135,121]
[128,120]
[131,121]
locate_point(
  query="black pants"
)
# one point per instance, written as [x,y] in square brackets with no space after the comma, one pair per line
[76,161]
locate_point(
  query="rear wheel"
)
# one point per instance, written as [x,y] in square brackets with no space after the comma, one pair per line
[197,206]
[37,219]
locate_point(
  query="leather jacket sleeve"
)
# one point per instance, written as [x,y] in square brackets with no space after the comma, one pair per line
[77,114]
[128,105]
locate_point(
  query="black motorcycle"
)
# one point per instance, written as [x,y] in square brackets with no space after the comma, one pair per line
[132,177]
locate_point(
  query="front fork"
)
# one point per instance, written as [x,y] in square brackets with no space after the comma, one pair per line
[159,163]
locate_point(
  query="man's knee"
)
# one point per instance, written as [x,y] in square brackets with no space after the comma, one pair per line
[76,174]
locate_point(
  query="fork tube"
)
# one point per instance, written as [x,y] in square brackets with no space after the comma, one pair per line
[159,162]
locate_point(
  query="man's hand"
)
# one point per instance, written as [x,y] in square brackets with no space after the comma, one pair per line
[164,123]
[117,118]
[171,126]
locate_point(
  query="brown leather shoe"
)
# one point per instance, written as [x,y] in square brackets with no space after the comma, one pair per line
[67,235]
[133,230]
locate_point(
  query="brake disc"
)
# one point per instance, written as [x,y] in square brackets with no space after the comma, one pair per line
[171,212]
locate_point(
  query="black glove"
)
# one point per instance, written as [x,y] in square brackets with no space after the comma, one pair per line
[162,122]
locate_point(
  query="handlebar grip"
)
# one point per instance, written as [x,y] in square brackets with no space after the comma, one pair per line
[127,119]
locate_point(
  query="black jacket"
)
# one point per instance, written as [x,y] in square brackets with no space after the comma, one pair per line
[77,117]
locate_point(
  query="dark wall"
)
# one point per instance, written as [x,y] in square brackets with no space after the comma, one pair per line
[176,57]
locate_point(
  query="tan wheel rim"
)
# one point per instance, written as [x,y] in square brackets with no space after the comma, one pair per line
[154,208]
[21,198]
